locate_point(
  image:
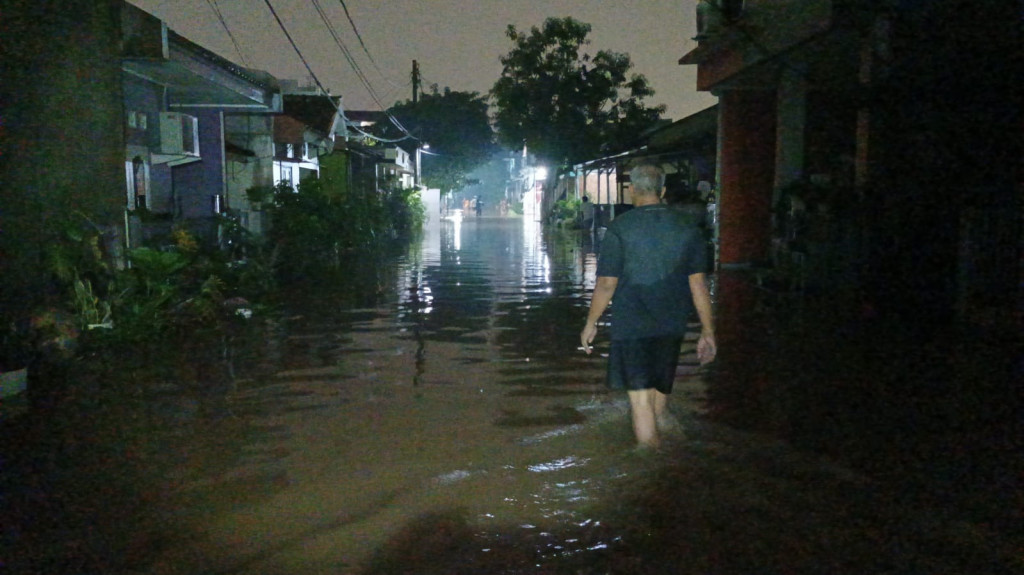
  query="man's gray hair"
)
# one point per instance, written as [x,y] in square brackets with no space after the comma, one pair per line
[647,178]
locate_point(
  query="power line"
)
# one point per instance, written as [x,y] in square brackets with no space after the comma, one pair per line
[383,140]
[296,47]
[216,10]
[362,77]
[363,44]
[319,84]
[345,51]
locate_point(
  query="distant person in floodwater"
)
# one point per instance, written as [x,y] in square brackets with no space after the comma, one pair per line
[652,261]
[587,214]
[479,205]
[679,195]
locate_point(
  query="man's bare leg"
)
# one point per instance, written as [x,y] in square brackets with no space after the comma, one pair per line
[643,409]
[665,421]
[660,401]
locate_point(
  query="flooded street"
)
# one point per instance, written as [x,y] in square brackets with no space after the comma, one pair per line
[461,395]
[441,419]
[436,415]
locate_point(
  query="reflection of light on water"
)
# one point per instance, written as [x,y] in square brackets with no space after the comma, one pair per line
[536,265]
[589,272]
[452,477]
[534,439]
[457,232]
[563,463]
[415,296]
[430,245]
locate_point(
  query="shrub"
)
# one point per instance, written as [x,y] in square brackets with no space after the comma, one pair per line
[566,210]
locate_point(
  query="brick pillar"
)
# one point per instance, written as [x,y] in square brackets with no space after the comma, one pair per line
[747,174]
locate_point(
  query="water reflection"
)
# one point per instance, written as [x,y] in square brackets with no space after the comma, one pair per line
[433,412]
[452,380]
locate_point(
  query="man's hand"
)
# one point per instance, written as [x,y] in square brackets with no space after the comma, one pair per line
[587,337]
[603,292]
[706,348]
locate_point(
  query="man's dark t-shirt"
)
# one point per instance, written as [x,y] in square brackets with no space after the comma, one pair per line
[652,250]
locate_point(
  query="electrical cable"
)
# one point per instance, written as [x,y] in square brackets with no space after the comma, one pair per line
[359,72]
[362,77]
[224,24]
[319,84]
[363,44]
[348,55]
[296,48]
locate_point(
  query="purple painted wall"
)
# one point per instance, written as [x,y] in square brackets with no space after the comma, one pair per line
[196,183]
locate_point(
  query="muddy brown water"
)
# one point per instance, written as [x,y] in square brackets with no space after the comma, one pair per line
[436,415]
[460,394]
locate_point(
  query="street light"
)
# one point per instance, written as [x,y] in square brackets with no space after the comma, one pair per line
[419,159]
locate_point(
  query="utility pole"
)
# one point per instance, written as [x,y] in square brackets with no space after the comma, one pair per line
[415,81]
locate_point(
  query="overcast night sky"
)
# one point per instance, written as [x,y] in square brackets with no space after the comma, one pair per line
[456,42]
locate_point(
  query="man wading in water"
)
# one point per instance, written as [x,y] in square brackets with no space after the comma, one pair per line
[653,261]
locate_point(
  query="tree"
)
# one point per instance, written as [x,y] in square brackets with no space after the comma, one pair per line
[566,106]
[457,128]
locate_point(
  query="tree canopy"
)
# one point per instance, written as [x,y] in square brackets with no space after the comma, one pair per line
[456,127]
[563,104]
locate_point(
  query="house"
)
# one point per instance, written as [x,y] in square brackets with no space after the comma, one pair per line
[879,143]
[194,122]
[391,162]
[303,132]
[685,149]
[248,164]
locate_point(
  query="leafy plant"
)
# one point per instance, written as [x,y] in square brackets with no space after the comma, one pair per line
[314,226]
[563,103]
[92,311]
[566,209]
[457,127]
[257,195]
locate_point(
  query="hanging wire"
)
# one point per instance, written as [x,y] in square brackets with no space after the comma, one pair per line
[363,44]
[362,77]
[224,24]
[320,85]
[348,55]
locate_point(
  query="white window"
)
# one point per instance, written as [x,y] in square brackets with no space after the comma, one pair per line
[137,175]
[137,120]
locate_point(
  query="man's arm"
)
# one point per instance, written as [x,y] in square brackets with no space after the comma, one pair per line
[599,301]
[706,347]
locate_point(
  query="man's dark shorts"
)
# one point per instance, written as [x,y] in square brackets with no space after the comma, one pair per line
[645,363]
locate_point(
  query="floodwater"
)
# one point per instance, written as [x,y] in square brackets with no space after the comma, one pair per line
[436,415]
[454,412]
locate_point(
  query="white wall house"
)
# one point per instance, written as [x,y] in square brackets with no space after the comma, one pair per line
[303,133]
[295,161]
